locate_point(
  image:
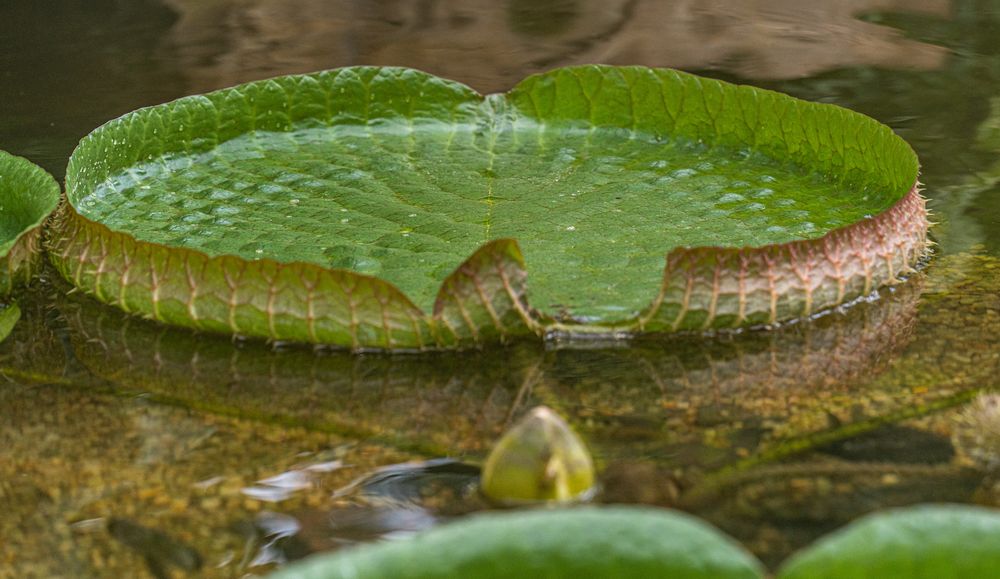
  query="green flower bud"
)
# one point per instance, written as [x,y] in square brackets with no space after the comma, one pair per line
[540,459]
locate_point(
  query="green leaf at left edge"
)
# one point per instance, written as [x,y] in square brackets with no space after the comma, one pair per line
[924,542]
[484,298]
[616,542]
[9,316]
[27,196]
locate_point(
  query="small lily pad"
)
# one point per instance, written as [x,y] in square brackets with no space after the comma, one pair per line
[571,543]
[923,542]
[27,196]
[387,208]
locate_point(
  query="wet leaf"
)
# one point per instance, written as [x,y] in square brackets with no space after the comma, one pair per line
[572,543]
[27,196]
[410,401]
[931,541]
[386,208]
[160,551]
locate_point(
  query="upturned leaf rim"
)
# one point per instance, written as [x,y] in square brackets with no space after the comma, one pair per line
[485,299]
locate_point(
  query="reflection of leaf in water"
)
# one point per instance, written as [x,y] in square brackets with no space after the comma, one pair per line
[670,402]
[775,507]
[455,404]
[953,354]
[36,349]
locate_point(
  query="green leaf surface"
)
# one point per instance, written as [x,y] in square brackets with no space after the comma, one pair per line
[27,196]
[609,542]
[9,316]
[923,542]
[595,173]
[539,459]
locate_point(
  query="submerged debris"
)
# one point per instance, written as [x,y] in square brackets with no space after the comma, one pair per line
[160,550]
[893,443]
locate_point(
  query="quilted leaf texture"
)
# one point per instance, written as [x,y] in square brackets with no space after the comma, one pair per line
[385,208]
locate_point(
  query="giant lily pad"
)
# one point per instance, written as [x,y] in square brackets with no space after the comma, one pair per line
[27,196]
[342,207]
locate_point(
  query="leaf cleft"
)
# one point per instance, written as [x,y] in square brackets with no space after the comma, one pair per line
[327,208]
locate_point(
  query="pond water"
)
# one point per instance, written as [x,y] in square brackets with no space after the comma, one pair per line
[130,449]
